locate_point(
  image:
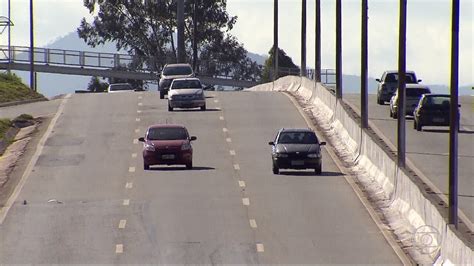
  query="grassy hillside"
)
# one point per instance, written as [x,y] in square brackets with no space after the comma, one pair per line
[12,89]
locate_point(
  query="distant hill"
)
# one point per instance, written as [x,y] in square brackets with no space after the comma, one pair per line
[54,84]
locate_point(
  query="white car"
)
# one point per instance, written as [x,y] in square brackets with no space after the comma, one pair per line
[116,87]
[186,93]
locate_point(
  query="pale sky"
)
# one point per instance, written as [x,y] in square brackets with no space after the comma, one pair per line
[428,32]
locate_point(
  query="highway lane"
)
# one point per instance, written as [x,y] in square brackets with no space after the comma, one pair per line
[429,149]
[229,209]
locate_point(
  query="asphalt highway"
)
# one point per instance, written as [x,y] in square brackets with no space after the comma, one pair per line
[429,149]
[88,199]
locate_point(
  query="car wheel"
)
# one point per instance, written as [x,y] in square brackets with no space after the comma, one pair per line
[391,114]
[418,126]
[203,108]
[318,170]
[395,115]
[170,109]
[146,167]
[276,170]
[189,165]
[162,94]
[414,124]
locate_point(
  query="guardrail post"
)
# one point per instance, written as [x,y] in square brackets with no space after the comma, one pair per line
[46,56]
[116,60]
[99,60]
[82,59]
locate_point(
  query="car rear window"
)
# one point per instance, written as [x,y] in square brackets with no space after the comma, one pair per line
[177,70]
[297,138]
[416,92]
[167,133]
[442,102]
[120,87]
[186,84]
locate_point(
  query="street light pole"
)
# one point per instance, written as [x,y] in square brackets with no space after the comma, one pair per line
[180,18]
[364,65]
[454,119]
[318,42]
[32,52]
[401,136]
[338,49]
[303,38]
[9,35]
[275,39]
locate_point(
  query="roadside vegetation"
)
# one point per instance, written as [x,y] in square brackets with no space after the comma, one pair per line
[12,89]
[9,128]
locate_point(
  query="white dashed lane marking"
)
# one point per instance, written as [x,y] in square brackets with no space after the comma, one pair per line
[241,183]
[225,130]
[221,118]
[137,119]
[131,169]
[216,101]
[253,223]
[126,202]
[140,97]
[140,104]
[134,155]
[236,167]
[122,224]
[260,247]
[135,141]
[246,201]
[228,139]
[129,185]
[137,130]
[232,152]
[119,248]
[139,111]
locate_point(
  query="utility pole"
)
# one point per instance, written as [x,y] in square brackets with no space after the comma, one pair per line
[32,52]
[275,39]
[317,53]
[338,49]
[9,36]
[303,38]
[454,119]
[180,18]
[401,136]
[363,68]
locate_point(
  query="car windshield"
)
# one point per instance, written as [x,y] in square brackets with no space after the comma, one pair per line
[120,87]
[167,133]
[411,92]
[297,138]
[186,84]
[177,70]
[441,102]
[393,77]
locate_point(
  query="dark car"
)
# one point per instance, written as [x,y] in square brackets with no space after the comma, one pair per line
[167,144]
[413,93]
[296,149]
[432,110]
[171,72]
[388,84]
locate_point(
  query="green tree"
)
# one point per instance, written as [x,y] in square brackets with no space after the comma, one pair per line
[145,29]
[95,85]
[285,65]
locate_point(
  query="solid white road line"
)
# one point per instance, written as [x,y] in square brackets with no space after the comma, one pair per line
[126,202]
[119,248]
[241,183]
[246,201]
[131,169]
[34,159]
[232,152]
[122,224]
[253,223]
[260,247]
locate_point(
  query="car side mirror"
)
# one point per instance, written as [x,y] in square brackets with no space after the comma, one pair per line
[271,143]
[378,80]
[420,80]
[322,143]
[459,105]
[192,138]
[142,139]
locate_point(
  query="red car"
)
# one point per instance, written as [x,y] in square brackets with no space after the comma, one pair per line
[167,145]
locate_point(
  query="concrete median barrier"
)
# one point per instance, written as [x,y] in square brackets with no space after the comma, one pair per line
[416,219]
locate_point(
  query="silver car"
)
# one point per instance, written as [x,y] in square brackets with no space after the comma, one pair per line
[413,94]
[388,84]
[186,93]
